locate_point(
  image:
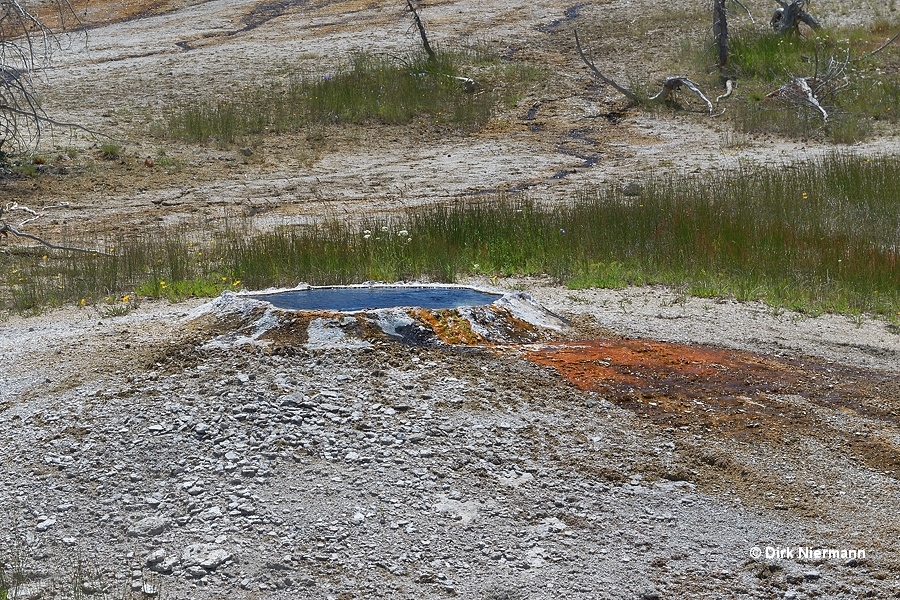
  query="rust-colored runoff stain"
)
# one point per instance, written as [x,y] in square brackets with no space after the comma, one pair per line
[646,367]
[736,394]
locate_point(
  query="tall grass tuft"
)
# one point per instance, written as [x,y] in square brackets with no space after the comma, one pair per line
[820,236]
[367,88]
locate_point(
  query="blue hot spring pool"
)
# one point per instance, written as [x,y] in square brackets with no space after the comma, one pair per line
[370,298]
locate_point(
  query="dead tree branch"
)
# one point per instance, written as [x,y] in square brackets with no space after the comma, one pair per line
[622,90]
[469,84]
[729,88]
[26,46]
[6,228]
[817,91]
[35,215]
[881,47]
[798,92]
[428,50]
[749,14]
[673,84]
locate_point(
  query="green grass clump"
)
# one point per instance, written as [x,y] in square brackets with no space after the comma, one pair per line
[765,56]
[367,89]
[110,151]
[821,236]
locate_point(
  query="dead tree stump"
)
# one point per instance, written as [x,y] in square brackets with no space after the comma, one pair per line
[787,17]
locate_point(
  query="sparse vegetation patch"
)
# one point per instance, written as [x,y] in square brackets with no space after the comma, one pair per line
[824,236]
[368,88]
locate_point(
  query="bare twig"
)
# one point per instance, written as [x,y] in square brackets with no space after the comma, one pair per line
[35,215]
[6,228]
[880,48]
[749,14]
[622,90]
[817,91]
[26,47]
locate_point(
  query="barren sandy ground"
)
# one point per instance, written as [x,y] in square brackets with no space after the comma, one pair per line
[646,452]
[559,137]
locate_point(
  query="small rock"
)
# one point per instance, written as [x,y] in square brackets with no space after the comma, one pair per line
[196,571]
[210,514]
[358,518]
[46,524]
[166,566]
[207,556]
[155,557]
[91,587]
[148,527]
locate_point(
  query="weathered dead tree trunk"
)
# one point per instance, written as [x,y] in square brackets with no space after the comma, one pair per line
[427,46]
[720,32]
[670,85]
[787,17]
[469,84]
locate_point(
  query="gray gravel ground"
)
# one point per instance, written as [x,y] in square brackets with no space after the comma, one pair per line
[403,471]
